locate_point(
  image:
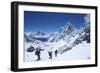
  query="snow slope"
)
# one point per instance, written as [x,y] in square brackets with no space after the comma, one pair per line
[81,51]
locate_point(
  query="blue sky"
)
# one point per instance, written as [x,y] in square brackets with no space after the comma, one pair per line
[50,21]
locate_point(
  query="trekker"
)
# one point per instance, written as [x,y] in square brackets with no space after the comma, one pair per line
[38,53]
[56,53]
[50,54]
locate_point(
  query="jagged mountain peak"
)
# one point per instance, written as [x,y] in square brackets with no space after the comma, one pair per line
[68,24]
[67,27]
[64,32]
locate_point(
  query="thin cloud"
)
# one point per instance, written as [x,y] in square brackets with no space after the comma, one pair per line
[87,19]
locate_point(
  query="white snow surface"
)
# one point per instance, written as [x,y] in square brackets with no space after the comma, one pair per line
[81,51]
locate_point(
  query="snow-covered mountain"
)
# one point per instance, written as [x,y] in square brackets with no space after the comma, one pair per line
[74,38]
[64,40]
[67,36]
[63,33]
[41,36]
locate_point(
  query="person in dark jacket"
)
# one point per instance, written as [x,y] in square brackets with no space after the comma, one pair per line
[56,53]
[38,53]
[50,54]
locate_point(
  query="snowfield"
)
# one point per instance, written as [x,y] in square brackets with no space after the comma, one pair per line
[81,51]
